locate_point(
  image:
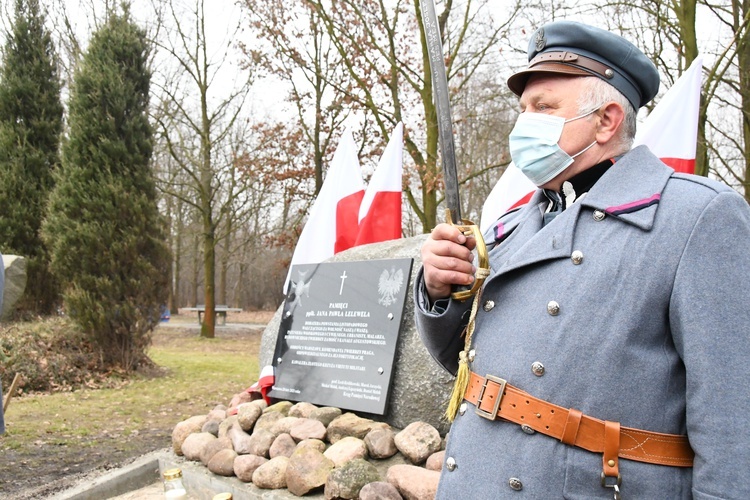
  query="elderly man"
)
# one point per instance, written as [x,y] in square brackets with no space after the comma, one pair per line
[610,344]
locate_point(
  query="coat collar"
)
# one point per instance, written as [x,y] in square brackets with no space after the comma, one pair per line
[631,189]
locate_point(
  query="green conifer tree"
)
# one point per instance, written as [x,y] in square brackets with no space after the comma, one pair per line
[103,227]
[30,128]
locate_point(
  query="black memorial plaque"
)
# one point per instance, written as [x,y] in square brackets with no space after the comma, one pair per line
[338,333]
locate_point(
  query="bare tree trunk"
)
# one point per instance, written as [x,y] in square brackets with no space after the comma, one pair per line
[209,269]
[685,11]
[209,228]
[224,261]
[171,220]
[239,284]
[741,8]
[195,269]
[177,259]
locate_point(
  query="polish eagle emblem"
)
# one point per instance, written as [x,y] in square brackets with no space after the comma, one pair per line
[298,288]
[389,285]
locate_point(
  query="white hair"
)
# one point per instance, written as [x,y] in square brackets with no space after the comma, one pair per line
[597,92]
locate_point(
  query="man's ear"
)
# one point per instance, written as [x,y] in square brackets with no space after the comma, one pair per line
[611,116]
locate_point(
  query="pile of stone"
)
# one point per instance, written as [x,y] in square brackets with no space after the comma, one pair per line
[305,448]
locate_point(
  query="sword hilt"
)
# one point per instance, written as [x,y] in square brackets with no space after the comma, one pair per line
[468,229]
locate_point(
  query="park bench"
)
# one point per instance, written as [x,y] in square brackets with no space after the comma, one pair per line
[220,312]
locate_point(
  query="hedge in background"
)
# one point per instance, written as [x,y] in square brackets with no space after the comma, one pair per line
[103,227]
[30,128]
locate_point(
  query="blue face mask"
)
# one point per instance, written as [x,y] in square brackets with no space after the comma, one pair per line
[534,149]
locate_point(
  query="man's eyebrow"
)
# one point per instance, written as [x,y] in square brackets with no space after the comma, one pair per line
[524,100]
[532,99]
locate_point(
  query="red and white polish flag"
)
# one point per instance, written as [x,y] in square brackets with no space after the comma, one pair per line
[670,132]
[265,382]
[380,211]
[332,225]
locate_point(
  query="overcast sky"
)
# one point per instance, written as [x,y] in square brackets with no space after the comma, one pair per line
[222,16]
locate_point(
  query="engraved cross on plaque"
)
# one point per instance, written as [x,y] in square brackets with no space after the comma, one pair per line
[343,277]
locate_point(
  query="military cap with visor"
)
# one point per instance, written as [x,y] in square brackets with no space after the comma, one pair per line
[572,48]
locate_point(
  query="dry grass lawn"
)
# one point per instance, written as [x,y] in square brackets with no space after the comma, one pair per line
[51,438]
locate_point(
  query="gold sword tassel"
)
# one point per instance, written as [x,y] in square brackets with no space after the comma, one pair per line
[468,229]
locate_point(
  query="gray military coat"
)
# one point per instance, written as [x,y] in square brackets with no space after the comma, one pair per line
[633,305]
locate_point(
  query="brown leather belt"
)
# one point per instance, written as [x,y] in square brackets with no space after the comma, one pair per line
[494,398]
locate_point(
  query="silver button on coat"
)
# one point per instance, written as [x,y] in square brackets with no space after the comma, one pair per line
[462,409]
[515,484]
[553,308]
[450,464]
[537,368]
[576,257]
[598,215]
[489,305]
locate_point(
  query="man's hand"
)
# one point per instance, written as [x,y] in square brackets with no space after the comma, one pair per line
[447,261]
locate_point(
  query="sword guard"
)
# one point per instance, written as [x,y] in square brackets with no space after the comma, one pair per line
[468,229]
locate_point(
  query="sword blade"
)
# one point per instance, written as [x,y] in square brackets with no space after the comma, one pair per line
[442,105]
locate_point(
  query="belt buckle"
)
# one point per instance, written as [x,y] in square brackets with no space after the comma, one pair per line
[490,415]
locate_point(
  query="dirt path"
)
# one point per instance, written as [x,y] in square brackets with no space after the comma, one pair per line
[52,462]
[38,471]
